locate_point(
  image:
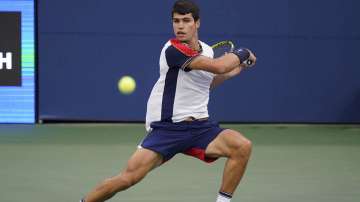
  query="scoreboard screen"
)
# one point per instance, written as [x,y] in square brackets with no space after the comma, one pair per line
[17,61]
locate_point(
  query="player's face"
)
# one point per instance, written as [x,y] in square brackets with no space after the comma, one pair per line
[185,27]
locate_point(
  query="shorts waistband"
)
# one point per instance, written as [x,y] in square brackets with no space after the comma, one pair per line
[191,119]
[184,125]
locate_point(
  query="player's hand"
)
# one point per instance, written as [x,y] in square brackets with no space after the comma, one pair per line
[246,57]
[252,59]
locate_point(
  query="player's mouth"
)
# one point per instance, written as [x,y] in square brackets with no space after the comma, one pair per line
[180,34]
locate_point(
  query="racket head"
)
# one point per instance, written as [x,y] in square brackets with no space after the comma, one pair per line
[222,47]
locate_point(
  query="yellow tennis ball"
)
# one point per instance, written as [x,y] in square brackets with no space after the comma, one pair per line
[126,84]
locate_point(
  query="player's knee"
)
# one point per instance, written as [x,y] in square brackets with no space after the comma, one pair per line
[243,147]
[109,186]
[125,182]
[247,145]
[135,178]
[118,183]
[132,176]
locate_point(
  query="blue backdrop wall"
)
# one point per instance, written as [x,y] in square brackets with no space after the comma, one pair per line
[308,66]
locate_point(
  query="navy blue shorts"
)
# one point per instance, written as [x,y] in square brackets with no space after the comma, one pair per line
[190,138]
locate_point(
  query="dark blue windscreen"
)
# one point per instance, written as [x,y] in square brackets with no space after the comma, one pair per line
[307,70]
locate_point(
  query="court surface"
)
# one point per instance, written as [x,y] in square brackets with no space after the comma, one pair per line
[290,163]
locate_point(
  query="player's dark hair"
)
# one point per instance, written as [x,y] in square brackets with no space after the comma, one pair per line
[184,7]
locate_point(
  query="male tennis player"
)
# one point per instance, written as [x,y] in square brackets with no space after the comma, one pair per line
[177,117]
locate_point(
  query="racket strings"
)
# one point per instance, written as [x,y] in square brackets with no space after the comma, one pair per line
[222,48]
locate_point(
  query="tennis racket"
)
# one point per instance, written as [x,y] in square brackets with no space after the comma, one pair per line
[223,47]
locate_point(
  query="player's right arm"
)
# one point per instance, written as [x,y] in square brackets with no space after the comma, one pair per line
[219,65]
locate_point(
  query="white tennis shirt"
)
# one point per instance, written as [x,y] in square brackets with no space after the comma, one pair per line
[179,93]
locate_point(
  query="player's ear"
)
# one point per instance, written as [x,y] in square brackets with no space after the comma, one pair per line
[198,24]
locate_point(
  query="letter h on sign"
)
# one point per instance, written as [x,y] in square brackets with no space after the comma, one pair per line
[6,61]
[10,49]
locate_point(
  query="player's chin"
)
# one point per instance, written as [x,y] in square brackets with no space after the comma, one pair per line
[182,38]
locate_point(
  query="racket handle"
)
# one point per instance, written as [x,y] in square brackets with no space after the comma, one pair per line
[248,62]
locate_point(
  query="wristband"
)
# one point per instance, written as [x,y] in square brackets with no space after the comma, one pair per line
[242,53]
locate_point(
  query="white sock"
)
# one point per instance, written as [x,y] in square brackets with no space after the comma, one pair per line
[223,197]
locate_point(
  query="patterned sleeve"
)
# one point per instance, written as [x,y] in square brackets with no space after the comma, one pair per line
[179,55]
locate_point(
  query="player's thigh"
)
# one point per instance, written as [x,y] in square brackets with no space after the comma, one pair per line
[226,143]
[142,161]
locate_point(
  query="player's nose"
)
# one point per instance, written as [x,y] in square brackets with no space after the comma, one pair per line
[181,25]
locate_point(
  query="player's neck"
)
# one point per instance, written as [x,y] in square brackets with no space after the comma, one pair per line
[194,44]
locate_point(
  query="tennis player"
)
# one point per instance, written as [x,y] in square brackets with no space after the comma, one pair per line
[177,118]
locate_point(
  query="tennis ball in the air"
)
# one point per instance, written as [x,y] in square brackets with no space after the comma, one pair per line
[126,85]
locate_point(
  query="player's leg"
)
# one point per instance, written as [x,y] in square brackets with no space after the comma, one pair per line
[237,149]
[140,163]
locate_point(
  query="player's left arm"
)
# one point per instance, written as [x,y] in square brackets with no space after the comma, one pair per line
[220,78]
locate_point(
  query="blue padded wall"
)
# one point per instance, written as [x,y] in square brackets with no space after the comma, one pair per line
[307,69]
